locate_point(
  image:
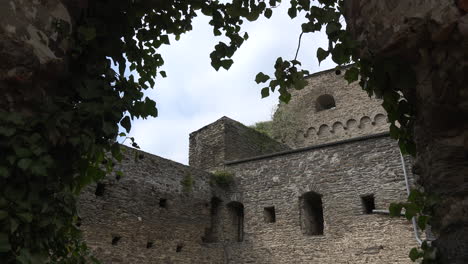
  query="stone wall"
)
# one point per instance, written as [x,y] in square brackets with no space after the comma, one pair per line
[151,214]
[311,202]
[341,174]
[304,121]
[227,139]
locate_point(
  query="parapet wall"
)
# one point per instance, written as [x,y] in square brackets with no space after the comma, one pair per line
[158,212]
[326,110]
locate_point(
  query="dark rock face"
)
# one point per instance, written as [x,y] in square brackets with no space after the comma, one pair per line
[433,37]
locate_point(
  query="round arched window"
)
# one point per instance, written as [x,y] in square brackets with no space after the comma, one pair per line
[325,102]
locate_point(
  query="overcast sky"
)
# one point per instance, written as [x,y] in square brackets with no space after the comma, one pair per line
[194,94]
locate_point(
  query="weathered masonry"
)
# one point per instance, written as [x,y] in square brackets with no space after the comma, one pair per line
[313,193]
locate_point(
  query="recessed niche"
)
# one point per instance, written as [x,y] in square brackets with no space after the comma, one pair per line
[212,233]
[115,240]
[269,214]
[100,189]
[149,244]
[368,203]
[325,102]
[179,247]
[236,227]
[163,203]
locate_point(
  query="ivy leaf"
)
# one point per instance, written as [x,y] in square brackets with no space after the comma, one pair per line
[163,74]
[165,39]
[22,152]
[352,75]
[300,84]
[4,243]
[4,172]
[3,214]
[88,33]
[7,131]
[268,13]
[395,209]
[422,221]
[322,54]
[292,12]
[332,27]
[13,225]
[411,210]
[414,254]
[226,64]
[24,164]
[265,92]
[339,54]
[285,97]
[125,122]
[261,77]
[415,196]
[394,131]
[25,217]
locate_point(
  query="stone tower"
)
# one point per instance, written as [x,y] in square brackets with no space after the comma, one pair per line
[327,110]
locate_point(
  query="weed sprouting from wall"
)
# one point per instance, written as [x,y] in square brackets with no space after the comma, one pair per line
[222,178]
[187,182]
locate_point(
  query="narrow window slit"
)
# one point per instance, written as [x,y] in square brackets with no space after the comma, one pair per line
[269,214]
[100,189]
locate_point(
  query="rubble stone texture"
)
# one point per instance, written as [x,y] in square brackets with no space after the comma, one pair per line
[432,37]
[310,202]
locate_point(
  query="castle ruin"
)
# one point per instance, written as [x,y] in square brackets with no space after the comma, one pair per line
[317,192]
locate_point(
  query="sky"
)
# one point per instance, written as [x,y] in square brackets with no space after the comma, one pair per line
[194,94]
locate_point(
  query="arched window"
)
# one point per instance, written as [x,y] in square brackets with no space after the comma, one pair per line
[324,102]
[236,227]
[311,214]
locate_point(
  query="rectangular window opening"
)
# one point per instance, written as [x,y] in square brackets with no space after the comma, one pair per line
[368,203]
[312,221]
[269,214]
[163,203]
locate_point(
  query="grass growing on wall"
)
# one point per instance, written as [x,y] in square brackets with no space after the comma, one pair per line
[222,178]
[187,182]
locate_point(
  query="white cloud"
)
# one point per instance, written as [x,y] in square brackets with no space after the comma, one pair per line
[194,94]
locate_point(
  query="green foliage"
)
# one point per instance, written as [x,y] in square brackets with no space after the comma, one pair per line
[264,127]
[420,205]
[187,182]
[222,178]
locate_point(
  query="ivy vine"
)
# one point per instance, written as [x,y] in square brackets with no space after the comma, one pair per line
[55,144]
